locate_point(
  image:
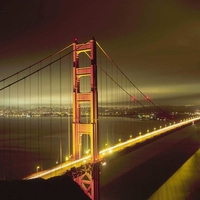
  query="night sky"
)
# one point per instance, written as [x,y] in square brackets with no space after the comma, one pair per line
[155,42]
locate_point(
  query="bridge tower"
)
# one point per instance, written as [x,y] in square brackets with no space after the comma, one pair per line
[89,181]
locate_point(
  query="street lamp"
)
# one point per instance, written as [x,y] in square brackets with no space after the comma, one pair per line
[66,158]
[37,168]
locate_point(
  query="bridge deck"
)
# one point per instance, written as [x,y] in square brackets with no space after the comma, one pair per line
[175,187]
[140,173]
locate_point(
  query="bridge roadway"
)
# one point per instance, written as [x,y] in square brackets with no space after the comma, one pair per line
[166,168]
[106,153]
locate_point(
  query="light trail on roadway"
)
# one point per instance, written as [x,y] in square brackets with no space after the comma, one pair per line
[62,168]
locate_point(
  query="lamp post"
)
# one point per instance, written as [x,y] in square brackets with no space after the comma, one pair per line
[37,168]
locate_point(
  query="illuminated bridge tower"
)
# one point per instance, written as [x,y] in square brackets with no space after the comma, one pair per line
[89,181]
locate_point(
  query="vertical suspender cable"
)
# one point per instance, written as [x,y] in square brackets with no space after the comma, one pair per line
[60,115]
[29,117]
[106,99]
[4,136]
[50,83]
[24,136]
[69,106]
[17,145]
[17,115]
[9,138]
[38,117]
[40,137]
[100,99]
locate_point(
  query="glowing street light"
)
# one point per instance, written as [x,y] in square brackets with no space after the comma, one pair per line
[66,158]
[87,151]
[37,168]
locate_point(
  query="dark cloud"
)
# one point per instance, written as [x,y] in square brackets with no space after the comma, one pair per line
[156,43]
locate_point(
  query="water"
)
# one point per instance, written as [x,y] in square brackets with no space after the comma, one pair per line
[28,144]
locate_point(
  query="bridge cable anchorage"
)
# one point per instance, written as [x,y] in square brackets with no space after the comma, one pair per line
[129,79]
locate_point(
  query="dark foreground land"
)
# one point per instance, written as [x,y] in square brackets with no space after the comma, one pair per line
[139,174]
[57,188]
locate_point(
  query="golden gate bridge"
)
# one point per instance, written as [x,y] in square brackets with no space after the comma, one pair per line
[71,110]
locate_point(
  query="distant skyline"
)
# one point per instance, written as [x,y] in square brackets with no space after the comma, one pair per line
[155,43]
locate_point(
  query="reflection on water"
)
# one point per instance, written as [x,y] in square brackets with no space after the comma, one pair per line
[30,144]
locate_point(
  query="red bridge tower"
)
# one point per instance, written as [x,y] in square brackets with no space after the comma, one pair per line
[89,181]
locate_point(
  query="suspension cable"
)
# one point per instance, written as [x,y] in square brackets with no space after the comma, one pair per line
[124,89]
[36,63]
[127,78]
[34,72]
[52,62]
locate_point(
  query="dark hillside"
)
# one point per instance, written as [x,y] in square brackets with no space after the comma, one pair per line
[57,188]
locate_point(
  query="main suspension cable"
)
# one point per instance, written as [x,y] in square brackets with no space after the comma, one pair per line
[128,78]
